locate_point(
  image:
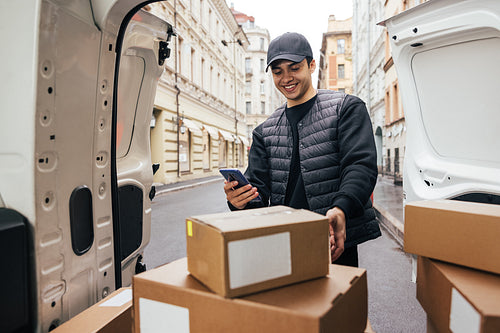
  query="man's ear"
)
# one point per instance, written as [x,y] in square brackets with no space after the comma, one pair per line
[312,66]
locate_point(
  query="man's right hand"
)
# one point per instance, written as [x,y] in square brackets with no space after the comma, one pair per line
[241,196]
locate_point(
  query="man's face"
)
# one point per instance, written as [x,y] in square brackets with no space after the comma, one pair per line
[293,80]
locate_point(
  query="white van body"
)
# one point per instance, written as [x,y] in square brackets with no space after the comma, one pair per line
[78,83]
[446,54]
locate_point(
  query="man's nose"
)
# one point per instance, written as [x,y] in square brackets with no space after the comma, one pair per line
[287,76]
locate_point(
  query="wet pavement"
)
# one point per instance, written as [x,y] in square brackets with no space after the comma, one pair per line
[388,204]
[392,302]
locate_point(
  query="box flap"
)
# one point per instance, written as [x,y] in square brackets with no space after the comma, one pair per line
[480,289]
[312,298]
[459,206]
[257,218]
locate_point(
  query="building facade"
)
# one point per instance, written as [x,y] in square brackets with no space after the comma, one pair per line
[368,61]
[261,96]
[198,123]
[375,80]
[335,66]
[395,129]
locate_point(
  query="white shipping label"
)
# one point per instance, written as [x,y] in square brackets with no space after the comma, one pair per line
[162,317]
[463,317]
[120,299]
[259,259]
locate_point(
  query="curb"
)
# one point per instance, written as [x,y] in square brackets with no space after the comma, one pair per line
[182,187]
[391,224]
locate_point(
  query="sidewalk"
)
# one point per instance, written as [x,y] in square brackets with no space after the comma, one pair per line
[166,188]
[388,204]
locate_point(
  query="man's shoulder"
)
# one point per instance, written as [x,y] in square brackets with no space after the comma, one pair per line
[328,95]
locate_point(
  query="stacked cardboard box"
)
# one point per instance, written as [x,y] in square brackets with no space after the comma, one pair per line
[459,288]
[275,260]
[247,251]
[168,297]
[110,315]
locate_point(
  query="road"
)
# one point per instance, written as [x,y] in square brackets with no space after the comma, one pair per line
[393,307]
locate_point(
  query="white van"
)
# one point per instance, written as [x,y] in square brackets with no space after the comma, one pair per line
[78,82]
[446,54]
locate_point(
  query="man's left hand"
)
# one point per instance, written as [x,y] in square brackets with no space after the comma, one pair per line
[336,218]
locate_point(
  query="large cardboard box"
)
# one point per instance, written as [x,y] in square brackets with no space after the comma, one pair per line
[243,252]
[463,233]
[110,315]
[169,299]
[458,299]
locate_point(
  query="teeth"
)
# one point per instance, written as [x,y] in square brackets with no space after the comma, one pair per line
[289,87]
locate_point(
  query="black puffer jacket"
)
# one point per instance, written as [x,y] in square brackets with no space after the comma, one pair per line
[338,160]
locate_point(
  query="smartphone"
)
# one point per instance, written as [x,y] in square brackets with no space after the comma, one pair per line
[235,174]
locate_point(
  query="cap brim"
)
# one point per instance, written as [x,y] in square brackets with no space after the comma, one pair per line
[285,56]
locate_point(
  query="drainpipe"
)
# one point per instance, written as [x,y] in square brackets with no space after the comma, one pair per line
[177,93]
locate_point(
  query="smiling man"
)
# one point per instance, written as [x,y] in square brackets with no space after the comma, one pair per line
[315,152]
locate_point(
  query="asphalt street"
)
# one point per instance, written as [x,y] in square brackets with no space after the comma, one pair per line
[391,300]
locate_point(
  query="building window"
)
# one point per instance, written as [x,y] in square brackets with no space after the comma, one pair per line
[185,151]
[341,72]
[207,151]
[388,161]
[248,65]
[262,65]
[211,82]
[192,64]
[262,44]
[263,107]
[249,107]
[262,88]
[340,46]
[179,54]
[248,87]
[202,72]
[341,90]
[222,153]
[395,103]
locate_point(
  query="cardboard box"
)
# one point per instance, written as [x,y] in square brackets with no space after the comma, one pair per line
[463,233]
[110,315]
[169,297]
[458,299]
[243,252]
[431,328]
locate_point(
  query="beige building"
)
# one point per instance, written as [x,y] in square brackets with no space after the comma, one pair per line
[198,123]
[261,96]
[394,127]
[335,66]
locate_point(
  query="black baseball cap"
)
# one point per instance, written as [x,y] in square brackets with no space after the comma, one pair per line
[289,46]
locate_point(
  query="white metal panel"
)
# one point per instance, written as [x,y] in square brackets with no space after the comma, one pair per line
[445,55]
[19,68]
[139,59]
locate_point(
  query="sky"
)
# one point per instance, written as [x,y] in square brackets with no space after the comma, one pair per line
[308,17]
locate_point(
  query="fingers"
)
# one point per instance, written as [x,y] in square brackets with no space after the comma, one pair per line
[241,196]
[336,218]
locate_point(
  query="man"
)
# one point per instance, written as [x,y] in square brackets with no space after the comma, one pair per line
[316,152]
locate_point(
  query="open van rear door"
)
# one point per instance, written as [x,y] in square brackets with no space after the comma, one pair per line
[75,169]
[446,55]
[140,65]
